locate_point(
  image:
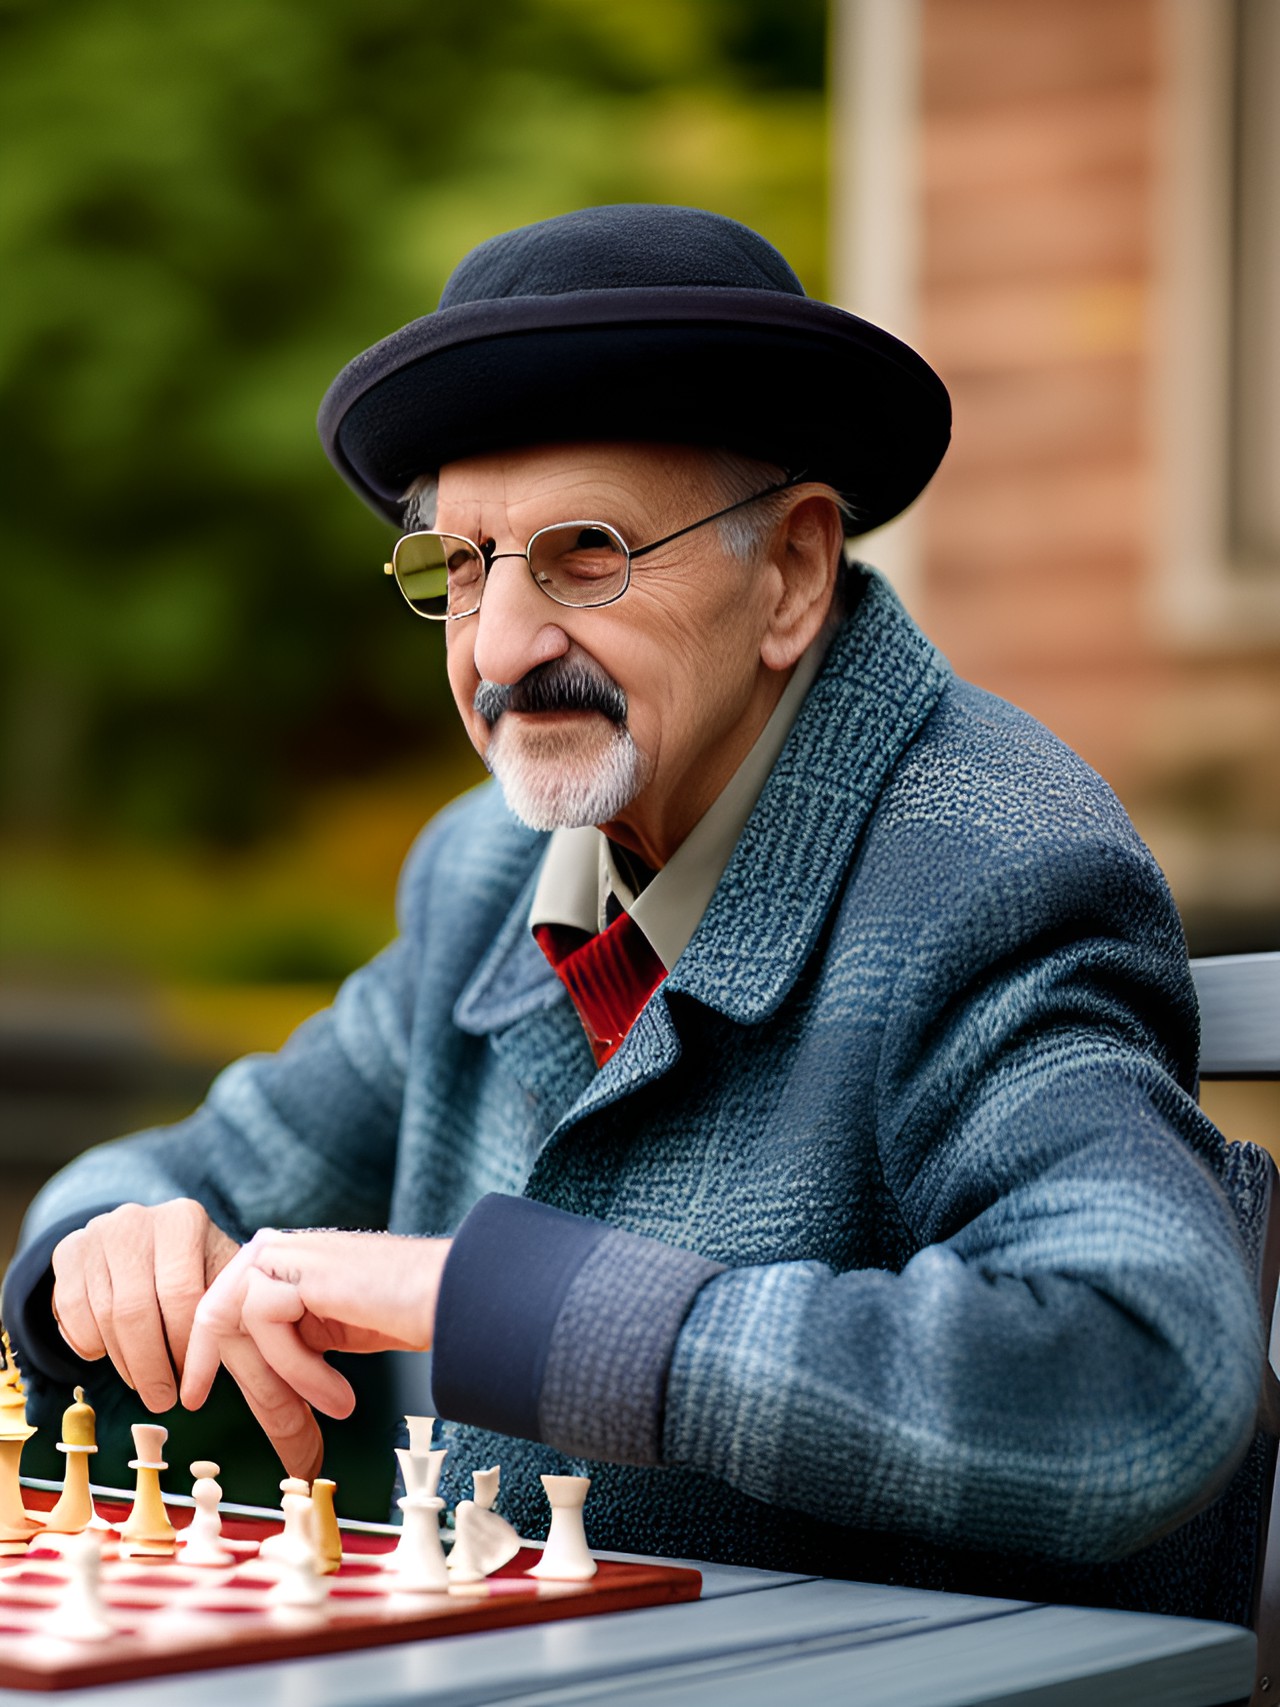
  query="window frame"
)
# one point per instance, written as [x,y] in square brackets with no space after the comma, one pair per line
[1205,594]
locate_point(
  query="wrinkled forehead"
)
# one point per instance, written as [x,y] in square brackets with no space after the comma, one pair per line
[624,483]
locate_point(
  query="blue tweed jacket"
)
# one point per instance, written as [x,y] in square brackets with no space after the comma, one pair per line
[891,1243]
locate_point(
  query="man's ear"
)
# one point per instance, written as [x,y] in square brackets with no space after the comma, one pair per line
[805,555]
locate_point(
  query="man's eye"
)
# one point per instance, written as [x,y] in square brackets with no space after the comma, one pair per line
[593,539]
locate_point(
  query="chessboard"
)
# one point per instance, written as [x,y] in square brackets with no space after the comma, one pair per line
[177,1618]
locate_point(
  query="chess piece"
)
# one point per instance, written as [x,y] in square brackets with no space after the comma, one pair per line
[17,1525]
[13,1395]
[74,1510]
[278,1545]
[418,1561]
[566,1557]
[328,1537]
[147,1530]
[419,1465]
[299,1583]
[484,1542]
[81,1615]
[420,1435]
[202,1538]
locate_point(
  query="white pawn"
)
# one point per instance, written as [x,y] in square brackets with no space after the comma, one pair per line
[484,1541]
[278,1546]
[299,1582]
[566,1557]
[418,1561]
[202,1542]
[80,1615]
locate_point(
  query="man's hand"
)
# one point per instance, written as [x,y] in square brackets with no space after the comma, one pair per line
[287,1298]
[127,1285]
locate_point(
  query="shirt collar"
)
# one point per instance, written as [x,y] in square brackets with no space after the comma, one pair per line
[579,874]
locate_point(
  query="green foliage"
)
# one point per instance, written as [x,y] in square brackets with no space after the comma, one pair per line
[205,210]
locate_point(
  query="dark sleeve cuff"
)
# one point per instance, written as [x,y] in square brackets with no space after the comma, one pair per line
[553,1327]
[27,1309]
[511,1265]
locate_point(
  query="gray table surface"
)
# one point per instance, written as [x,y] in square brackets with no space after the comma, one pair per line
[756,1639]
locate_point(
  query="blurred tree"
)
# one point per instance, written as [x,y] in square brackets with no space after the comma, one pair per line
[205,211]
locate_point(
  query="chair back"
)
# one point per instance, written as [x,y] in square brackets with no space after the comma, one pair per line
[1239,998]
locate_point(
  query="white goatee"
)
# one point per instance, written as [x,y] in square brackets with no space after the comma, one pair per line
[565,777]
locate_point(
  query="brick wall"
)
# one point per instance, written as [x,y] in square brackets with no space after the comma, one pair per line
[1041,177]
[1037,172]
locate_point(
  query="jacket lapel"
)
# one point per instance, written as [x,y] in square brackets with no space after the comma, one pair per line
[880,681]
[514,977]
[515,998]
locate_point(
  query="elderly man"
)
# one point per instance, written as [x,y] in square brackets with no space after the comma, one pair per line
[780,1097]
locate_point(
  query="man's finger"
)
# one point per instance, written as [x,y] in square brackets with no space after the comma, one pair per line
[136,1321]
[97,1278]
[246,1302]
[219,1249]
[76,1322]
[216,1319]
[323,1335]
[71,1309]
[269,1316]
[201,1365]
[284,1418]
[180,1232]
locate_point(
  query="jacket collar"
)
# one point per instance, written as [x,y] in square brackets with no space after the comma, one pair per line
[580,868]
[880,681]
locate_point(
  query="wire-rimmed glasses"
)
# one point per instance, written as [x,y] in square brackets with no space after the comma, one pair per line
[582,564]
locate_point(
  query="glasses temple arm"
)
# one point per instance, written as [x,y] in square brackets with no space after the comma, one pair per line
[769,491]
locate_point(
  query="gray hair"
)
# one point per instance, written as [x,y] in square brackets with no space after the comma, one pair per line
[743,534]
[420,503]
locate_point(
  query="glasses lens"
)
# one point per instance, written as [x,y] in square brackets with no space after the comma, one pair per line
[579,563]
[440,574]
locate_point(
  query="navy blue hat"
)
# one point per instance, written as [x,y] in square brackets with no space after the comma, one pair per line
[665,324]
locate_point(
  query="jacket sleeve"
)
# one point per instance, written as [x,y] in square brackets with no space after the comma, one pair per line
[305,1137]
[1069,1362]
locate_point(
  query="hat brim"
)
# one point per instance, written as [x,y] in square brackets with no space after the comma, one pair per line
[784,378]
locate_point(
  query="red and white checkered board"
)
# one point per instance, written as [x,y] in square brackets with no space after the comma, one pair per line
[174,1617]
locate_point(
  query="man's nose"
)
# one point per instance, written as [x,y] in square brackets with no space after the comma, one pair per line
[516,625]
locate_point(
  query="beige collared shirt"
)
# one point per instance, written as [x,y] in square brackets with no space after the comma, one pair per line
[579,872]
